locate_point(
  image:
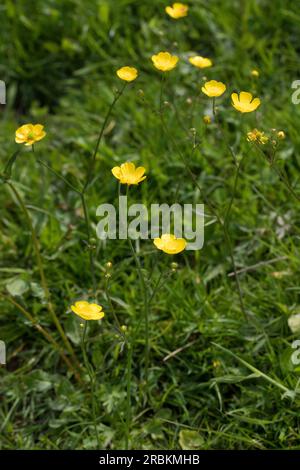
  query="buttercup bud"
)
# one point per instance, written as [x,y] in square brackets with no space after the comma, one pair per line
[281,135]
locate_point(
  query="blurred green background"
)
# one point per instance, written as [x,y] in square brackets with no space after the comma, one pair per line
[58,59]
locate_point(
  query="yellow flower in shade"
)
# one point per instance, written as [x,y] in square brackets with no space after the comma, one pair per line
[213,88]
[200,62]
[127,173]
[29,134]
[164,61]
[257,136]
[170,244]
[281,135]
[244,102]
[255,73]
[177,10]
[207,119]
[87,311]
[127,73]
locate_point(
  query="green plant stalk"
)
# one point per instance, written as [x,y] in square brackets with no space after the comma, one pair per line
[90,248]
[91,168]
[42,273]
[128,366]
[44,332]
[93,159]
[214,212]
[233,193]
[91,375]
[87,184]
[118,326]
[224,223]
[255,370]
[128,400]
[164,275]
[85,213]
[281,175]
[58,175]
[146,308]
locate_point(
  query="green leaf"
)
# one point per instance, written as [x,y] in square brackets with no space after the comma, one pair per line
[17,287]
[73,329]
[190,440]
[8,167]
[39,381]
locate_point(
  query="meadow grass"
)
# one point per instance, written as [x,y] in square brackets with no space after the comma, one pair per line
[215,379]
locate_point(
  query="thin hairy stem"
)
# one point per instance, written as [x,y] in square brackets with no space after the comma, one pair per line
[93,158]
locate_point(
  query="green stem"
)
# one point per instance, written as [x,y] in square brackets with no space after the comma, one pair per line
[233,193]
[113,309]
[58,175]
[162,84]
[90,248]
[41,271]
[93,159]
[146,307]
[91,375]
[213,211]
[86,217]
[282,176]
[128,401]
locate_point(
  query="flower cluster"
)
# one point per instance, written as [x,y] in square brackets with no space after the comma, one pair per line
[257,136]
[261,138]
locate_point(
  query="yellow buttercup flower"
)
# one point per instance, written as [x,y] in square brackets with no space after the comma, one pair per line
[170,244]
[177,10]
[200,62]
[164,61]
[257,136]
[29,134]
[255,73]
[127,73]
[127,173]
[244,102]
[87,311]
[213,88]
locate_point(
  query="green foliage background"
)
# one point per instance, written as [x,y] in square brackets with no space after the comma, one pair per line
[59,60]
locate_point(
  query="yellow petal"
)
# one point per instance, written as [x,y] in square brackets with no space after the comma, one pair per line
[116,171]
[158,243]
[140,171]
[245,97]
[255,103]
[235,98]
